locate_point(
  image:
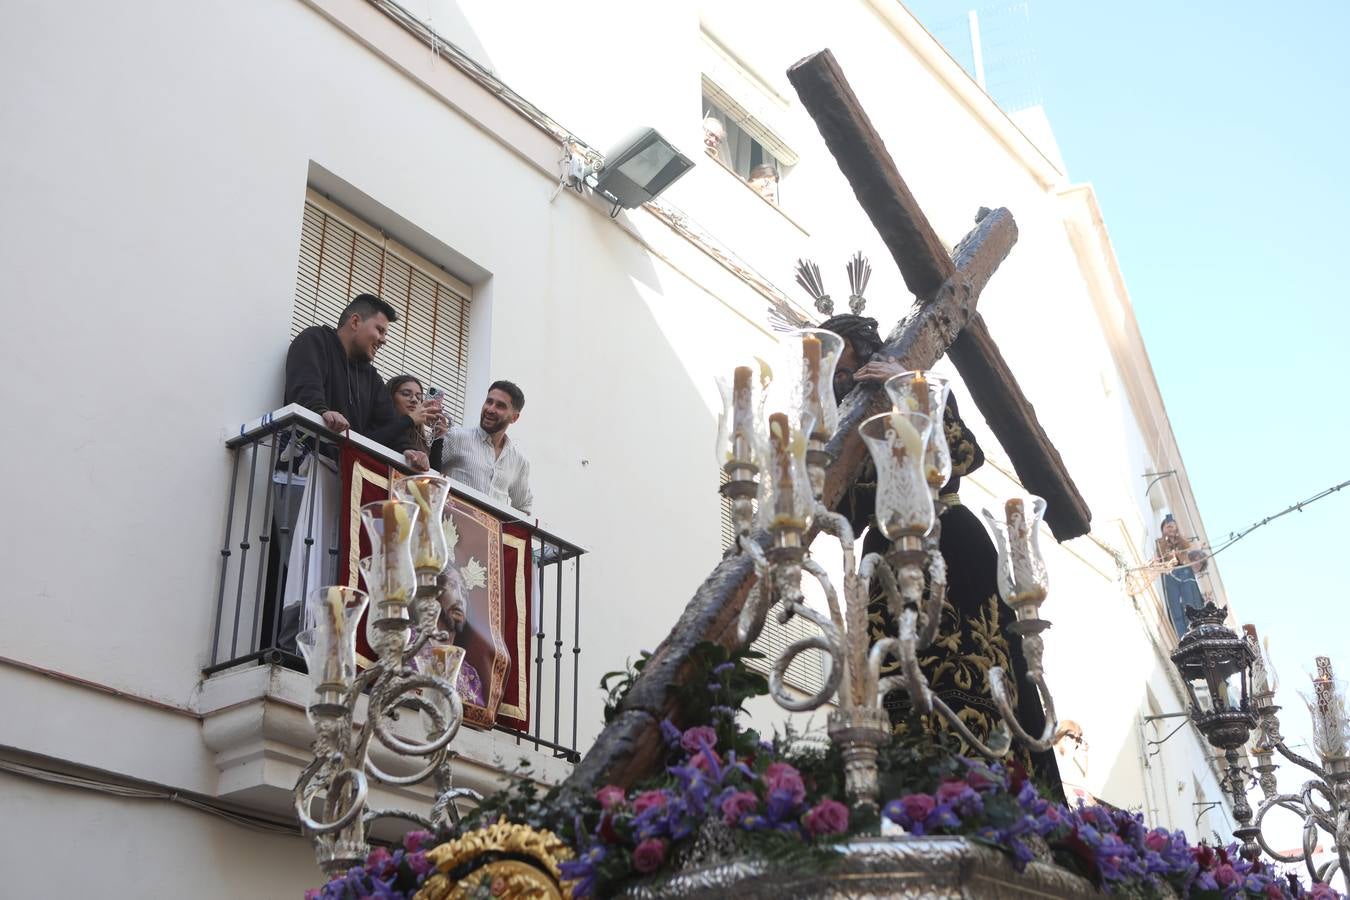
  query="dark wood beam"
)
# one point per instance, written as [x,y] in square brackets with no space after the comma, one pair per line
[876,182]
[1013,421]
[905,230]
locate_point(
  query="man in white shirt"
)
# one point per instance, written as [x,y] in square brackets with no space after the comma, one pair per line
[484,458]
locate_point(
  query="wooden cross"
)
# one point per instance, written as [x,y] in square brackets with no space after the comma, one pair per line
[942,320]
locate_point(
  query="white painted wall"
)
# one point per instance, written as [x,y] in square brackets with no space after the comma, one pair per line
[154,171]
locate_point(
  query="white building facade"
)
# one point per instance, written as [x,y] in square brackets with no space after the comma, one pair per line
[157,170]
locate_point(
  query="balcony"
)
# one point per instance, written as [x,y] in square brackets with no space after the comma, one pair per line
[522,585]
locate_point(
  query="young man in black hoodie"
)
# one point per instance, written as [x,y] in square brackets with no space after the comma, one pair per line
[331,371]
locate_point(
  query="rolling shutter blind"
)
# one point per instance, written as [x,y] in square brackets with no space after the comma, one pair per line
[341,256]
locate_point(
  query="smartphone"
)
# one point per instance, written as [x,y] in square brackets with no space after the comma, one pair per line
[435,393]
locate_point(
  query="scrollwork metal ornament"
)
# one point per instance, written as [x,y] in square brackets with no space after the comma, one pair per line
[413,673]
[1323,802]
[908,446]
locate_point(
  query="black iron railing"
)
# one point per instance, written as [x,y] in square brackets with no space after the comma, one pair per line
[268,509]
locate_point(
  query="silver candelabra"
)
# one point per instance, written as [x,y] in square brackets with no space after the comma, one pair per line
[1324,801]
[778,459]
[415,672]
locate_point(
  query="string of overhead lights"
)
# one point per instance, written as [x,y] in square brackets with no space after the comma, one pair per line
[1235,536]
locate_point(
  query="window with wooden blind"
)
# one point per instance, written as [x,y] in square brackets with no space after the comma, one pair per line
[805,673]
[342,256]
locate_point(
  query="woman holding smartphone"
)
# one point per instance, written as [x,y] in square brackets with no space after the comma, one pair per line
[428,424]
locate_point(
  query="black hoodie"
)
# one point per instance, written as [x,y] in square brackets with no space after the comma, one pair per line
[322,377]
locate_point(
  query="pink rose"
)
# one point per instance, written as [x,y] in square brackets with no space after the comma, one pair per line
[1225,875]
[1322,892]
[610,796]
[698,737]
[738,805]
[916,807]
[705,760]
[649,855]
[416,840]
[782,777]
[379,860]
[1156,841]
[826,817]
[980,781]
[950,791]
[648,799]
[1273,891]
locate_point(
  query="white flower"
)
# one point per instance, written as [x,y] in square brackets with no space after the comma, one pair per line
[451,534]
[475,576]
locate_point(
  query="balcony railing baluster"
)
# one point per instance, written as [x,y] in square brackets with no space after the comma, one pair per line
[261,635]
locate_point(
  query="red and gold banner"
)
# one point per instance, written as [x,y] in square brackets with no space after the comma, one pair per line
[491,581]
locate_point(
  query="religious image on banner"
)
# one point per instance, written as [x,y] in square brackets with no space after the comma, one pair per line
[483,595]
[471,608]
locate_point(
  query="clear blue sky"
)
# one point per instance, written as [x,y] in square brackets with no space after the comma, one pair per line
[1216,137]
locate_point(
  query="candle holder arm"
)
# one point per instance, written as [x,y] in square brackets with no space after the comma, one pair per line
[1009,714]
[349,782]
[1300,761]
[827,642]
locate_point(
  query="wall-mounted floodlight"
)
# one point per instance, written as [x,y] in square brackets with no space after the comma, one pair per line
[639,168]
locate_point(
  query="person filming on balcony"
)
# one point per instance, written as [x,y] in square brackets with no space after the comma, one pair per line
[331,371]
[409,401]
[484,458]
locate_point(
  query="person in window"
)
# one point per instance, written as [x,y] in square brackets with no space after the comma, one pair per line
[406,392]
[714,135]
[764,179]
[331,371]
[484,458]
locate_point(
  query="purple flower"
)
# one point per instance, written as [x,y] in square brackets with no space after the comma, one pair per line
[782,777]
[736,805]
[610,796]
[649,800]
[825,818]
[669,733]
[959,795]
[419,863]
[724,667]
[649,855]
[698,738]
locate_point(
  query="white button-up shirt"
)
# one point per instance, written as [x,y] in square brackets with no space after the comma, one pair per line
[469,457]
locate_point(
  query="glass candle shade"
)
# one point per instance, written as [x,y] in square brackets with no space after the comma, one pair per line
[1022,576]
[329,644]
[443,661]
[1330,713]
[740,426]
[814,354]
[785,499]
[429,492]
[390,525]
[385,618]
[897,441]
[926,393]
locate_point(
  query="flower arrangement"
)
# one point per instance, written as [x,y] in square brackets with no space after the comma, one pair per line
[776,799]
[385,875]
